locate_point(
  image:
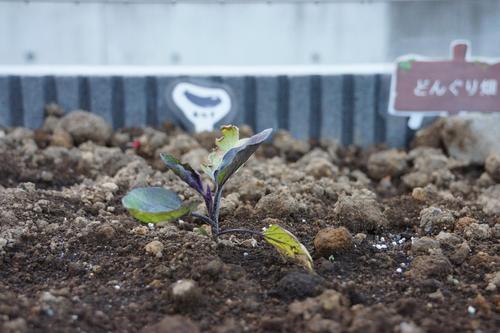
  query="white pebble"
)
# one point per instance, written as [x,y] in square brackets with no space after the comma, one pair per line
[399,270]
[471,310]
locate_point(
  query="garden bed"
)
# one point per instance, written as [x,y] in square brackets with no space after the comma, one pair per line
[420,251]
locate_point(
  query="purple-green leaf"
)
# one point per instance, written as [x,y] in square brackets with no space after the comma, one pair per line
[184,171]
[155,204]
[234,158]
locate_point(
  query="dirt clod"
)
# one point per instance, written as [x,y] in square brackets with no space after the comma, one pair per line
[424,245]
[15,326]
[360,212]
[434,219]
[298,285]
[387,163]
[186,293]
[430,266]
[155,248]
[85,126]
[333,240]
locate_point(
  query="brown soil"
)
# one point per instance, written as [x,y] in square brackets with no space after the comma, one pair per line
[73,260]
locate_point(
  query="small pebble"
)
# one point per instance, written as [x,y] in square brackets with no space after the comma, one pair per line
[155,248]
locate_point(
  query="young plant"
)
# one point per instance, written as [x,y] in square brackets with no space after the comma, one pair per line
[157,204]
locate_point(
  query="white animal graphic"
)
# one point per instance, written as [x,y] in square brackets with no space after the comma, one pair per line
[203,106]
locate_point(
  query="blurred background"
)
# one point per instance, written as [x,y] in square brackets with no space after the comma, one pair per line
[239,32]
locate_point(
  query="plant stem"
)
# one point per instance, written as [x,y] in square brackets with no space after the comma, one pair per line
[240,231]
[216,206]
[204,218]
[217,200]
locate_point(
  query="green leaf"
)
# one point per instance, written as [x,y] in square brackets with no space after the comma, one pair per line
[288,245]
[406,65]
[154,204]
[235,157]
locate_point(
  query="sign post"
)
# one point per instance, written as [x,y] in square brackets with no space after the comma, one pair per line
[423,87]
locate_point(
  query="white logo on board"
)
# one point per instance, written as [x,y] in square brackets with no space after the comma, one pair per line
[202,106]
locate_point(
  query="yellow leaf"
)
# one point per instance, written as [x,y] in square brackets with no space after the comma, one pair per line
[288,245]
[229,139]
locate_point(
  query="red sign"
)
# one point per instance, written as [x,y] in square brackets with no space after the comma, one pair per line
[423,87]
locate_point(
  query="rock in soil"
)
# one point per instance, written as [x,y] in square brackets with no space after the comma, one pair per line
[492,165]
[387,163]
[298,285]
[430,266]
[155,248]
[329,302]
[472,137]
[186,293]
[424,245]
[360,212]
[278,204]
[85,126]
[434,219]
[330,241]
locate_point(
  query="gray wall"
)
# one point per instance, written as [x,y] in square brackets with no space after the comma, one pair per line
[426,28]
[191,34]
[241,34]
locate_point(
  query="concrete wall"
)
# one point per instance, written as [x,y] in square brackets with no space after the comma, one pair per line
[242,34]
[427,27]
[192,34]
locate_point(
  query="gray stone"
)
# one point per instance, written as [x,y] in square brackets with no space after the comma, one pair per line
[85,126]
[492,165]
[387,163]
[490,200]
[424,245]
[299,285]
[434,219]
[472,137]
[360,212]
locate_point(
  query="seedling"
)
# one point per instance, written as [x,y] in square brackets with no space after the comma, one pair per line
[157,204]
